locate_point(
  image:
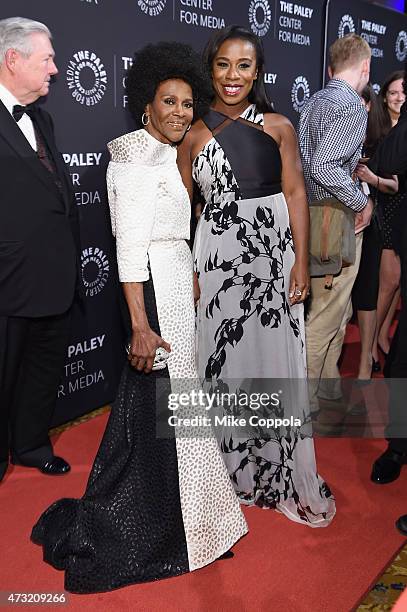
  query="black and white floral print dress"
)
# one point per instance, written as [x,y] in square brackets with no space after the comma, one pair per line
[246,328]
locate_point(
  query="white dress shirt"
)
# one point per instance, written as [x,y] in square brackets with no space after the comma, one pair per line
[25,124]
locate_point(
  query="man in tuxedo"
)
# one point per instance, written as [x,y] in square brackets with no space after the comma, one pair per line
[38,250]
[391,158]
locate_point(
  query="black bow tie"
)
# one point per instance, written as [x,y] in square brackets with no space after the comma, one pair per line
[18,111]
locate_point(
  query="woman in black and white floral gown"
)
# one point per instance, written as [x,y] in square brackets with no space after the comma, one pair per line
[244,159]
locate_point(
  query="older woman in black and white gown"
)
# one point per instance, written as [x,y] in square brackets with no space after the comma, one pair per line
[153,507]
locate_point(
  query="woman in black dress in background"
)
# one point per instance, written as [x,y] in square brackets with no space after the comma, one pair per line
[392,97]
[366,287]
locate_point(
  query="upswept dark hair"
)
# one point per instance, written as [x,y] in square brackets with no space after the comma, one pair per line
[156,63]
[394,76]
[258,95]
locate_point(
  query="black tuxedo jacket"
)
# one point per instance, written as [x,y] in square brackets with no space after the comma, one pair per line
[39,235]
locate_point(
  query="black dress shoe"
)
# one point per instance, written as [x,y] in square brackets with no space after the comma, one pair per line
[387,467]
[55,467]
[401,524]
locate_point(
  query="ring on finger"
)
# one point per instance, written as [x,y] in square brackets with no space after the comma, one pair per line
[298,292]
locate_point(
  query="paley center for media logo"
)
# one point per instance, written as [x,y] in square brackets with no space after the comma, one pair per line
[86,77]
[77,161]
[401,46]
[152,8]
[95,270]
[300,93]
[260,16]
[346,26]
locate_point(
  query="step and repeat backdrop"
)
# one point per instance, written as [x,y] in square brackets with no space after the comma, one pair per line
[94,42]
[385,31]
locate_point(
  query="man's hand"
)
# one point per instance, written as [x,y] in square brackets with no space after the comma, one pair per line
[362,219]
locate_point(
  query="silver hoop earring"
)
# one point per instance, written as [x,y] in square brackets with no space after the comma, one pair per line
[188,128]
[145,119]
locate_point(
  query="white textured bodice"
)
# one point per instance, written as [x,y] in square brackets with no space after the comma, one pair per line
[147,199]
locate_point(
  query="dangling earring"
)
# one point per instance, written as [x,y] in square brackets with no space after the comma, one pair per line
[188,128]
[145,119]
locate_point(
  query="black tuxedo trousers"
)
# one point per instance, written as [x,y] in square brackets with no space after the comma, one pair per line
[35,353]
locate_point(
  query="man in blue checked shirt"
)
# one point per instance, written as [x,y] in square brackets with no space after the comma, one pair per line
[331,131]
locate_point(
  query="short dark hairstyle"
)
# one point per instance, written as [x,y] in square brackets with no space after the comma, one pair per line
[156,63]
[258,95]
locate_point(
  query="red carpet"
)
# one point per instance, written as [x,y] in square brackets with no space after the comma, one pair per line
[279,566]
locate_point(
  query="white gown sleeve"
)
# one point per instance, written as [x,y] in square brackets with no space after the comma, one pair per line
[132,191]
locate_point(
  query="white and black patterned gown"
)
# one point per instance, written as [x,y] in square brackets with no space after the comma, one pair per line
[153,508]
[246,328]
